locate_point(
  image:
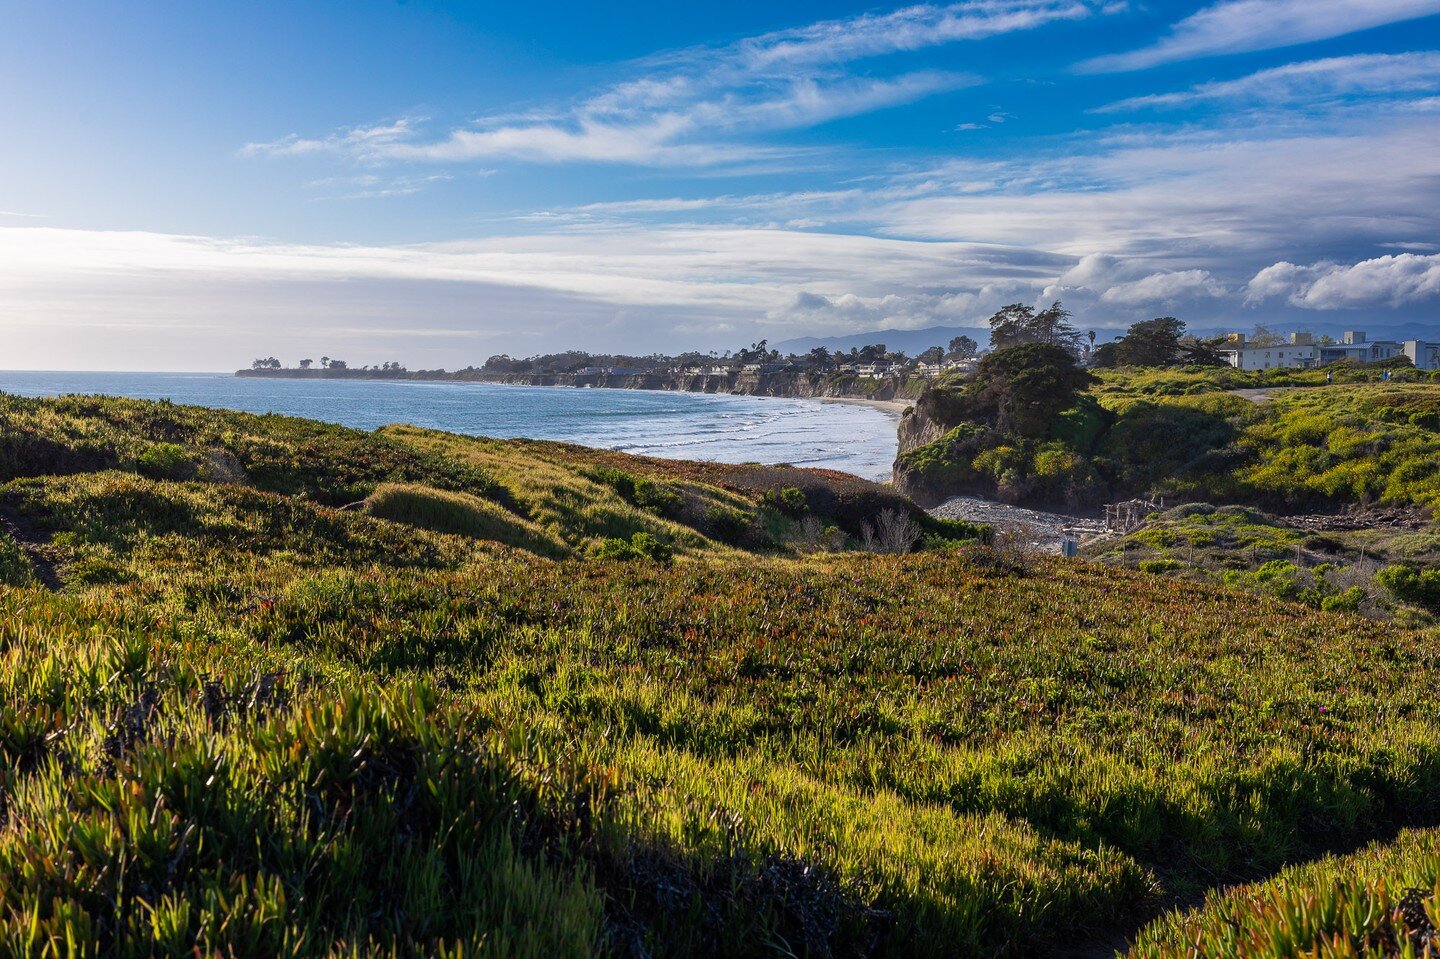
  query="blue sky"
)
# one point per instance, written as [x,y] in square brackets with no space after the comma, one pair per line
[186,185]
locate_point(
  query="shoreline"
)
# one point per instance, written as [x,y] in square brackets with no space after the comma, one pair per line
[898,407]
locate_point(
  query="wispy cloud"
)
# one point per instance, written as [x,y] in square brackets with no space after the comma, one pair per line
[371,186]
[1366,74]
[1240,26]
[702,106]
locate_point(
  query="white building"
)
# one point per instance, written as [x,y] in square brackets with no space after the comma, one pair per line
[1299,352]
[1425,356]
[1354,346]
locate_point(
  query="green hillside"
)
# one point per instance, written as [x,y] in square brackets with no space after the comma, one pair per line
[280,688]
[1285,442]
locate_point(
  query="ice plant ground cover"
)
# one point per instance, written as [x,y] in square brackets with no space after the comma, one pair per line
[272,687]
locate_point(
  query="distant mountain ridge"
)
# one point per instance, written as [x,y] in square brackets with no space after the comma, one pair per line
[905,341]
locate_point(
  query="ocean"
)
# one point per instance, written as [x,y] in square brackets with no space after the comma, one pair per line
[728,429]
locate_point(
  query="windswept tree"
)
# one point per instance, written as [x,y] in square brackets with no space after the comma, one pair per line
[1030,385]
[306,364]
[1197,352]
[1152,342]
[933,355]
[268,363]
[1019,324]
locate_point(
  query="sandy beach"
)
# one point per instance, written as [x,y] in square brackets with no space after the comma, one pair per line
[890,406]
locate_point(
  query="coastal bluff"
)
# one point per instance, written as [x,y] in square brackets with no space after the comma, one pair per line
[796,385]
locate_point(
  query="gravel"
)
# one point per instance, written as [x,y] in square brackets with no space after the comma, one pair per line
[1047,531]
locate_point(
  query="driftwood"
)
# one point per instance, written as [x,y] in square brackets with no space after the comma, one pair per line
[1123,517]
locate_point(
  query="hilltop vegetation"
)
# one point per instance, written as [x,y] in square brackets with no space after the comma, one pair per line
[1184,434]
[274,687]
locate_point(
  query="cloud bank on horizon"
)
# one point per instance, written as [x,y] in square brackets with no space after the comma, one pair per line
[436,182]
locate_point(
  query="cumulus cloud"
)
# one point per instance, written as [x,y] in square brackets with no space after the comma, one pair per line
[1240,26]
[689,107]
[1388,281]
[1165,289]
[1390,75]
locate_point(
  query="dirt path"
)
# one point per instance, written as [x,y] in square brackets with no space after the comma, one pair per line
[13,521]
[1260,396]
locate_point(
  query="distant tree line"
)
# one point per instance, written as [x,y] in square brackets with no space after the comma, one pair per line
[326,363]
[819,359]
[1158,342]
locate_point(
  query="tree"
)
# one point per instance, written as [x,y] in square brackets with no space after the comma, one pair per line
[1106,355]
[933,355]
[1030,385]
[324,362]
[1018,324]
[269,363]
[962,347]
[819,357]
[1197,352]
[1152,342]
[1263,336]
[337,364]
[306,364]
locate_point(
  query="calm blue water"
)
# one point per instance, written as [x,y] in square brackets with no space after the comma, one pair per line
[727,429]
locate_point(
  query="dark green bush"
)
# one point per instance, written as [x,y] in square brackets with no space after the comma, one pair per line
[787,500]
[1419,587]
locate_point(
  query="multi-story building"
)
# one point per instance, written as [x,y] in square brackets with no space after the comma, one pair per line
[1425,356]
[1300,351]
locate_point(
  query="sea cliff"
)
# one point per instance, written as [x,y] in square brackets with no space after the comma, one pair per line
[783,384]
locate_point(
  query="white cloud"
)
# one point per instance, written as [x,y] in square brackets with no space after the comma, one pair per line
[1386,281]
[1390,75]
[692,107]
[1207,199]
[1165,289]
[910,28]
[1239,26]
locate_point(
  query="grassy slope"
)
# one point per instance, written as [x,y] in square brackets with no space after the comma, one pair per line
[1333,569]
[243,695]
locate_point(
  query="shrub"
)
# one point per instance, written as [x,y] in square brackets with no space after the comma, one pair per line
[788,500]
[729,525]
[1347,602]
[639,491]
[1160,565]
[166,461]
[639,546]
[1411,585]
[658,498]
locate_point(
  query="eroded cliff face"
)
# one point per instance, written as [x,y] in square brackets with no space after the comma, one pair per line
[935,414]
[796,385]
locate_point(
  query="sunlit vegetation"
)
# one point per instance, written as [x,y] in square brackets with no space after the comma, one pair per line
[1378,571]
[1182,434]
[1381,902]
[526,699]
